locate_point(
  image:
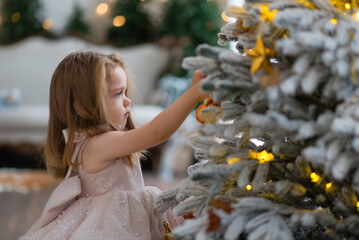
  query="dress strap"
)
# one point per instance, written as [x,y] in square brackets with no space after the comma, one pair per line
[68,174]
[80,140]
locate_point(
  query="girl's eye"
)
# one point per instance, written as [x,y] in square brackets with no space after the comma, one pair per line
[118,93]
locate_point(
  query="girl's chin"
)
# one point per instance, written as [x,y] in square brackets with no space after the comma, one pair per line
[122,126]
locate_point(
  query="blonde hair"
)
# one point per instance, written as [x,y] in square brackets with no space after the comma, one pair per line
[77,102]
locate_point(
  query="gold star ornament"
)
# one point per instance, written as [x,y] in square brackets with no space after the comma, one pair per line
[267,14]
[260,57]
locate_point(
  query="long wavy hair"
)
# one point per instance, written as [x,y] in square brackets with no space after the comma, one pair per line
[77,103]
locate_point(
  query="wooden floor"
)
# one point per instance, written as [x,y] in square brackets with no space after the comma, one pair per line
[23,195]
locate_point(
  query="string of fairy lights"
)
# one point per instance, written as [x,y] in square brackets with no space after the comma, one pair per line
[265,157]
[101,10]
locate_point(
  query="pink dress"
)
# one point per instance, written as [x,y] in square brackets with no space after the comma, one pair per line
[110,204]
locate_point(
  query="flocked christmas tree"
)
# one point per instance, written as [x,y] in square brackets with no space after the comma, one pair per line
[19,19]
[278,150]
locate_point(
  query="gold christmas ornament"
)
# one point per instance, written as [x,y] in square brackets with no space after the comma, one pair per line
[209,117]
[267,14]
[168,231]
[260,56]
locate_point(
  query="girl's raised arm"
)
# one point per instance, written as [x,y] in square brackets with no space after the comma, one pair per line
[101,150]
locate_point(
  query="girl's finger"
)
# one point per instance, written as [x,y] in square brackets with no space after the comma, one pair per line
[199,74]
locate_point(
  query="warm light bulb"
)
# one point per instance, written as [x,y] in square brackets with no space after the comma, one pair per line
[262,157]
[102,8]
[233,160]
[315,177]
[328,185]
[358,205]
[248,187]
[348,6]
[15,17]
[119,21]
[334,21]
[356,16]
[47,24]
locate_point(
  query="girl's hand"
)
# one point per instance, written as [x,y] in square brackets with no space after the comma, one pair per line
[196,81]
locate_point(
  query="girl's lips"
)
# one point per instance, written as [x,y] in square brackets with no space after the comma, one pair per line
[127,114]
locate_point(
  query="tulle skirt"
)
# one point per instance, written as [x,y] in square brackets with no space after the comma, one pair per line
[114,215]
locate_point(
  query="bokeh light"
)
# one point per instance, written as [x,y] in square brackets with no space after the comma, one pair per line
[102,9]
[119,21]
[15,17]
[47,24]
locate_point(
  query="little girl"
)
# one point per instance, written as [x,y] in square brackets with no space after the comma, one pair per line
[92,138]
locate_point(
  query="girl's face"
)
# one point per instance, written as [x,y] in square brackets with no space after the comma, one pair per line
[117,101]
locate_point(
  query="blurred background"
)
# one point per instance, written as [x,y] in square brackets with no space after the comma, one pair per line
[179,24]
[153,36]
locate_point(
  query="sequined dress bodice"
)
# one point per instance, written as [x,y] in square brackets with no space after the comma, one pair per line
[117,176]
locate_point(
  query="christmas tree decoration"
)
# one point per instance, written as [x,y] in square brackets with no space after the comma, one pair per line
[260,56]
[262,156]
[186,24]
[76,24]
[20,19]
[131,24]
[168,231]
[211,116]
[266,13]
[283,154]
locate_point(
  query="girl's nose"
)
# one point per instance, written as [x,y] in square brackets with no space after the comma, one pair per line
[127,101]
